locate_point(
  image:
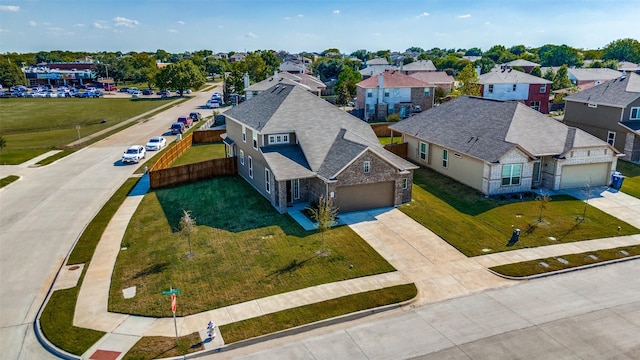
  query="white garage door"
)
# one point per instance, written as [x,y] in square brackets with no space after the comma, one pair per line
[577,176]
[362,197]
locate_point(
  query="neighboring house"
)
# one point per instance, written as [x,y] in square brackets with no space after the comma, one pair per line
[419,66]
[304,81]
[439,79]
[508,84]
[586,76]
[526,65]
[629,67]
[294,147]
[239,56]
[375,66]
[500,147]
[293,68]
[611,112]
[392,92]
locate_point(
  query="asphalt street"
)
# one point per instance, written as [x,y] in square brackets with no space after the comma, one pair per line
[587,314]
[43,213]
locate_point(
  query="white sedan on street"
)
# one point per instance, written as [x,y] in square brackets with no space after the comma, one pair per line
[134,154]
[156,143]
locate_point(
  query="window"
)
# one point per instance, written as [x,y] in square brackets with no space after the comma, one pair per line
[241,157]
[543,89]
[369,93]
[267,180]
[635,113]
[244,134]
[611,138]
[511,174]
[386,92]
[445,158]
[250,166]
[295,188]
[255,139]
[367,167]
[490,89]
[405,183]
[423,151]
[535,105]
[396,92]
[514,87]
[427,91]
[278,139]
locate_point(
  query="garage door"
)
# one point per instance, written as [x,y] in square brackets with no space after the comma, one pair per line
[577,176]
[362,197]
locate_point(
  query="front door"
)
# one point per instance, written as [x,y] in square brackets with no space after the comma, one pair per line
[289,197]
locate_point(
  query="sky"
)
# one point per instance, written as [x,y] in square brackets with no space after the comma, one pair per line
[177,26]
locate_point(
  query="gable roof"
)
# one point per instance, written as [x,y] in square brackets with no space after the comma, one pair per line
[377,61]
[618,92]
[510,76]
[392,79]
[486,129]
[420,65]
[434,77]
[521,63]
[327,137]
[588,74]
[305,81]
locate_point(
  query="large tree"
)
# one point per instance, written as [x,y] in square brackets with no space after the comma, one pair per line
[180,76]
[485,64]
[328,68]
[561,78]
[10,73]
[469,79]
[348,79]
[623,50]
[554,55]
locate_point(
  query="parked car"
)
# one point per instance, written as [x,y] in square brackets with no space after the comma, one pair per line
[177,128]
[187,121]
[124,89]
[195,116]
[213,104]
[156,143]
[110,88]
[164,93]
[134,154]
[133,90]
[147,92]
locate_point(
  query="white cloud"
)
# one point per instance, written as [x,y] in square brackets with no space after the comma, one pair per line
[3,30]
[424,14]
[79,25]
[99,24]
[487,22]
[287,17]
[220,27]
[300,15]
[250,35]
[10,8]
[32,23]
[374,34]
[173,30]
[122,21]
[181,22]
[441,34]
[337,12]
[464,16]
[56,29]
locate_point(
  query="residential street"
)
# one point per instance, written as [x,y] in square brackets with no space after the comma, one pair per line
[43,213]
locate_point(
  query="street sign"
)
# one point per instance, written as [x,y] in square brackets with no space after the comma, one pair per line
[171,292]
[173,303]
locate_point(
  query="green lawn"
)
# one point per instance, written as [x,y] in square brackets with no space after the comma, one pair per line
[476,226]
[34,126]
[201,152]
[8,180]
[161,347]
[631,183]
[244,250]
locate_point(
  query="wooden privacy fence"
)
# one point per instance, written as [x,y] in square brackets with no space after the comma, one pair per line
[381,130]
[189,173]
[174,152]
[401,150]
[207,136]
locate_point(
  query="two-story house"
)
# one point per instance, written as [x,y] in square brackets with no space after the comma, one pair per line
[506,83]
[610,111]
[294,147]
[392,92]
[375,66]
[305,81]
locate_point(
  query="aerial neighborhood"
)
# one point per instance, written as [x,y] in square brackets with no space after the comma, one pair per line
[207,201]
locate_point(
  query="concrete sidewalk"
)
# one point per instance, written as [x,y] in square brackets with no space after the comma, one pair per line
[439,271]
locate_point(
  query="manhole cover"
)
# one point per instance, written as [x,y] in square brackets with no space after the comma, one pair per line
[74,267]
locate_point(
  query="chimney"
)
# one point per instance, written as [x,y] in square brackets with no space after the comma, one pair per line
[381,87]
[246,80]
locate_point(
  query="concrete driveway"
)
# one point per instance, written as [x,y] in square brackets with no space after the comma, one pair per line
[43,213]
[439,270]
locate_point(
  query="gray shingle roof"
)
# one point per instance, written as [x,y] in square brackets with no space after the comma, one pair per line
[618,92]
[287,162]
[319,127]
[510,76]
[486,129]
[420,65]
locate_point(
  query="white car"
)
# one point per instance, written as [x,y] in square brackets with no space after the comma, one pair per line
[213,104]
[156,143]
[134,154]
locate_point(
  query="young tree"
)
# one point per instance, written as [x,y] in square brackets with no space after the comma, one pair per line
[469,79]
[325,215]
[536,71]
[188,229]
[349,78]
[543,198]
[561,79]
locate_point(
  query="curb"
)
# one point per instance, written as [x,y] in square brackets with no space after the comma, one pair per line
[564,271]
